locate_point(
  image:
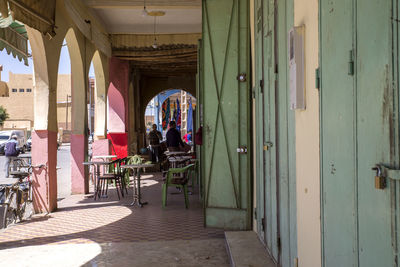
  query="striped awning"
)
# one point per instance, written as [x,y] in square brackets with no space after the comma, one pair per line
[15,14]
[14,40]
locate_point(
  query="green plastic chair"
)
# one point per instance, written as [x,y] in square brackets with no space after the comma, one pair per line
[193,174]
[178,182]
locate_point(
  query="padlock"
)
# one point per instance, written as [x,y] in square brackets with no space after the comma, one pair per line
[380,182]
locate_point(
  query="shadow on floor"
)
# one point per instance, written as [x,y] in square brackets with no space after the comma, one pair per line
[81,220]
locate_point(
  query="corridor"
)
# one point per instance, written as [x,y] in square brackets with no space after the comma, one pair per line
[175,235]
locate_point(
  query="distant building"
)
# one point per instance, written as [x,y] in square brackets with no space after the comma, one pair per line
[16,96]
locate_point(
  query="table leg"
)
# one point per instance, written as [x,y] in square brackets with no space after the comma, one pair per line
[139,195]
[136,190]
[96,173]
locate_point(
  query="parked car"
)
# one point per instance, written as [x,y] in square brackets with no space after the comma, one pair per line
[5,136]
[29,144]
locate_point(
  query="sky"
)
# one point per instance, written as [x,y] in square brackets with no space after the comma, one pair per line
[15,66]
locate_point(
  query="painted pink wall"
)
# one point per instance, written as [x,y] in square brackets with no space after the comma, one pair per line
[79,179]
[118,95]
[101,147]
[44,180]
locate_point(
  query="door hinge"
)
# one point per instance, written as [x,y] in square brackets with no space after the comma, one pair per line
[276,69]
[351,62]
[263,224]
[317,78]
[296,262]
[255,214]
[262,86]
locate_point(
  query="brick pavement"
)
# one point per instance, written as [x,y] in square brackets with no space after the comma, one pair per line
[81,220]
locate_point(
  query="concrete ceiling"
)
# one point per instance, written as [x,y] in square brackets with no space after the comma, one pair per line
[125,16]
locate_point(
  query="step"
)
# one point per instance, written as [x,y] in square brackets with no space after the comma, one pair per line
[246,250]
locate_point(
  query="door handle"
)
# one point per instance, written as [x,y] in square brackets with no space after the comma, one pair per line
[242,150]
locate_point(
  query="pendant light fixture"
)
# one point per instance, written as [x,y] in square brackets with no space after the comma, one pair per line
[144,12]
[155,37]
[155,14]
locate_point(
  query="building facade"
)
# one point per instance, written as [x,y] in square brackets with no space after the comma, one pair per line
[17,99]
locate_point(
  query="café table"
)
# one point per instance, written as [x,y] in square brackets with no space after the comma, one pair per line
[136,182]
[104,157]
[96,171]
[178,159]
[174,153]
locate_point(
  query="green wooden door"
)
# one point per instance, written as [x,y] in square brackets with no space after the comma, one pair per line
[226,116]
[358,130]
[275,171]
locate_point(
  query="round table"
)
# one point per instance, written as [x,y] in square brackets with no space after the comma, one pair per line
[96,172]
[136,184]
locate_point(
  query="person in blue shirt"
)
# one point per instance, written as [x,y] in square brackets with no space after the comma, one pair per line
[11,151]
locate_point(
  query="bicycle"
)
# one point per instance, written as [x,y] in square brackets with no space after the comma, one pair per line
[16,200]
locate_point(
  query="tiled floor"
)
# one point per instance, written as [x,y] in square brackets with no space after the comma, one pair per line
[81,220]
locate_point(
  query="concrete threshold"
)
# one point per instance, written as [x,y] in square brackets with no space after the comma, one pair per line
[245,250]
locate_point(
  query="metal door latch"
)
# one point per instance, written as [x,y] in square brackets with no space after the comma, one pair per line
[242,150]
[268,145]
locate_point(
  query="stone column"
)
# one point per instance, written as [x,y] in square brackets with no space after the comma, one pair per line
[79,121]
[117,106]
[45,55]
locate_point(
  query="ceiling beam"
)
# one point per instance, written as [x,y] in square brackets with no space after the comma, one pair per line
[165,4]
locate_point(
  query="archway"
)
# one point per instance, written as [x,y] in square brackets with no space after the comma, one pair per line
[170,105]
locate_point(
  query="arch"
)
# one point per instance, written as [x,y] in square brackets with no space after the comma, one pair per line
[169,92]
[117,93]
[45,55]
[78,82]
[152,86]
[101,78]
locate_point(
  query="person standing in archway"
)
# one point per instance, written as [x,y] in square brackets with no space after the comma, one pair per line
[174,140]
[154,138]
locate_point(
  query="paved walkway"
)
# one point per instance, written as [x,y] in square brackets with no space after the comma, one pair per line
[108,232]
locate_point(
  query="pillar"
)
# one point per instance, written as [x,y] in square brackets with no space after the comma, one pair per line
[117,106]
[79,113]
[100,145]
[45,55]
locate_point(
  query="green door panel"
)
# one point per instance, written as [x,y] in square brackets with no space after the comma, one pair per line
[337,134]
[375,143]
[357,131]
[285,145]
[275,173]
[225,105]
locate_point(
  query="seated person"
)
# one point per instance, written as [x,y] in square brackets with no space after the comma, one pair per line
[174,140]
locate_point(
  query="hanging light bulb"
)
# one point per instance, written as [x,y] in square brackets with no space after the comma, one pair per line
[155,44]
[155,37]
[144,11]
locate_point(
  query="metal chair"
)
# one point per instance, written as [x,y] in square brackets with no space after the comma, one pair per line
[115,175]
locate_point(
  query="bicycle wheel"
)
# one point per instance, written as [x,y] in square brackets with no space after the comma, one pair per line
[26,210]
[3,214]
[10,215]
